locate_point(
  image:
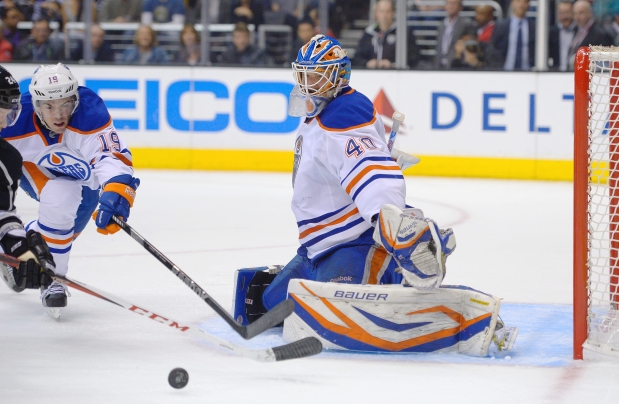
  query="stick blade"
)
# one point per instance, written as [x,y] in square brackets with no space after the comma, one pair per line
[272,318]
[299,349]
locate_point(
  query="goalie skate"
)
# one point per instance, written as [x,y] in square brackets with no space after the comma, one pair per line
[6,273]
[504,337]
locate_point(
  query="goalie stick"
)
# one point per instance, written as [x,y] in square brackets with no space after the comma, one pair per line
[397,118]
[299,349]
[272,318]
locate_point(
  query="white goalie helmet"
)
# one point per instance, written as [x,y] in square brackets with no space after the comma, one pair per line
[321,71]
[53,82]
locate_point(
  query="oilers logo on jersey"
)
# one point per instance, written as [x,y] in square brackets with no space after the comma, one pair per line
[298,151]
[66,164]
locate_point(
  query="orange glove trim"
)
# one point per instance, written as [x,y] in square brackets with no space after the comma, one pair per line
[123,190]
[109,229]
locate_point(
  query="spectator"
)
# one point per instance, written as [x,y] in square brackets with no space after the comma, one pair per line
[145,49]
[588,31]
[190,46]
[512,46]
[312,13]
[452,28]
[101,50]
[10,18]
[121,11]
[19,5]
[193,11]
[376,49]
[6,49]
[39,47]
[162,11]
[282,12]
[484,17]
[241,52]
[468,53]
[614,26]
[305,32]
[248,12]
[560,37]
[50,11]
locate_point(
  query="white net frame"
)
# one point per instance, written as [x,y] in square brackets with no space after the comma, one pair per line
[603,201]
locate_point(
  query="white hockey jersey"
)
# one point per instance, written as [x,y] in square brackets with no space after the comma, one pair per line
[343,173]
[89,150]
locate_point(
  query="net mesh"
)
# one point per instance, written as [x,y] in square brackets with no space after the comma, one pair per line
[603,197]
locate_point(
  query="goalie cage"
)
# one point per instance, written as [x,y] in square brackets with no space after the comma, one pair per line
[596,203]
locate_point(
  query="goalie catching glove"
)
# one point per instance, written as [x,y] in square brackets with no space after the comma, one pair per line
[116,199]
[418,246]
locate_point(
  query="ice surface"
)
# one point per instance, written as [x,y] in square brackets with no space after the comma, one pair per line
[514,241]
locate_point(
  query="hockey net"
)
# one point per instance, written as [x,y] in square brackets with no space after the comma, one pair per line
[596,203]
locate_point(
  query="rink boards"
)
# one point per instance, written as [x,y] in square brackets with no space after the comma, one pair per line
[467,124]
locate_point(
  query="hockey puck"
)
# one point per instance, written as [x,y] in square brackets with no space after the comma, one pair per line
[178,378]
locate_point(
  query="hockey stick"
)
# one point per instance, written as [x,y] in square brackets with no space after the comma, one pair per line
[272,318]
[398,118]
[298,349]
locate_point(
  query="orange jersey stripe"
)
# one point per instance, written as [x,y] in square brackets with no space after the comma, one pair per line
[322,226]
[39,179]
[366,170]
[122,158]
[57,241]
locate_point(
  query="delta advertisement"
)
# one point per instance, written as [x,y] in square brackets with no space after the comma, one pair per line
[481,124]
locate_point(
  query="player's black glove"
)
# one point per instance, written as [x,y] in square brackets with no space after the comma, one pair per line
[36,260]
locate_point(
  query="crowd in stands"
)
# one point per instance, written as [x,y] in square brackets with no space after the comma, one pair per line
[480,42]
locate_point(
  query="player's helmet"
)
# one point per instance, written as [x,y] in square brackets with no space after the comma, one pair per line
[9,96]
[53,82]
[320,72]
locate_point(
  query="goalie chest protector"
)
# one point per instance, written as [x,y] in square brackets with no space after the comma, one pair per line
[392,318]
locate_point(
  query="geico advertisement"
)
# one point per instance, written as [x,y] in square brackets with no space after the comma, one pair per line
[490,114]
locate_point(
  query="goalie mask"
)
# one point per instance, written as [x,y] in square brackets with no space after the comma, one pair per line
[320,72]
[9,97]
[54,87]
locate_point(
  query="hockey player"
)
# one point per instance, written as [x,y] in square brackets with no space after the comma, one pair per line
[12,234]
[349,193]
[73,159]
[343,175]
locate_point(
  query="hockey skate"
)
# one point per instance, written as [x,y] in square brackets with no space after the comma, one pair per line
[54,298]
[504,337]
[6,273]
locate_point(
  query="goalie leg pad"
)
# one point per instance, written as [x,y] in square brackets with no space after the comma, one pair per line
[417,244]
[392,318]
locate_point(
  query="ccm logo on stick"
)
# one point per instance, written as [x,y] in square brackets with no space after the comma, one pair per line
[158,318]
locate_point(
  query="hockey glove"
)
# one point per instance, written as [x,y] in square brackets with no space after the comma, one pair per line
[116,199]
[31,250]
[418,246]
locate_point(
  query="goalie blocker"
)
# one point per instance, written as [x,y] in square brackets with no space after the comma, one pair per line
[381,318]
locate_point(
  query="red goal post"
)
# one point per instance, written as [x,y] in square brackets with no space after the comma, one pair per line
[596,203]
